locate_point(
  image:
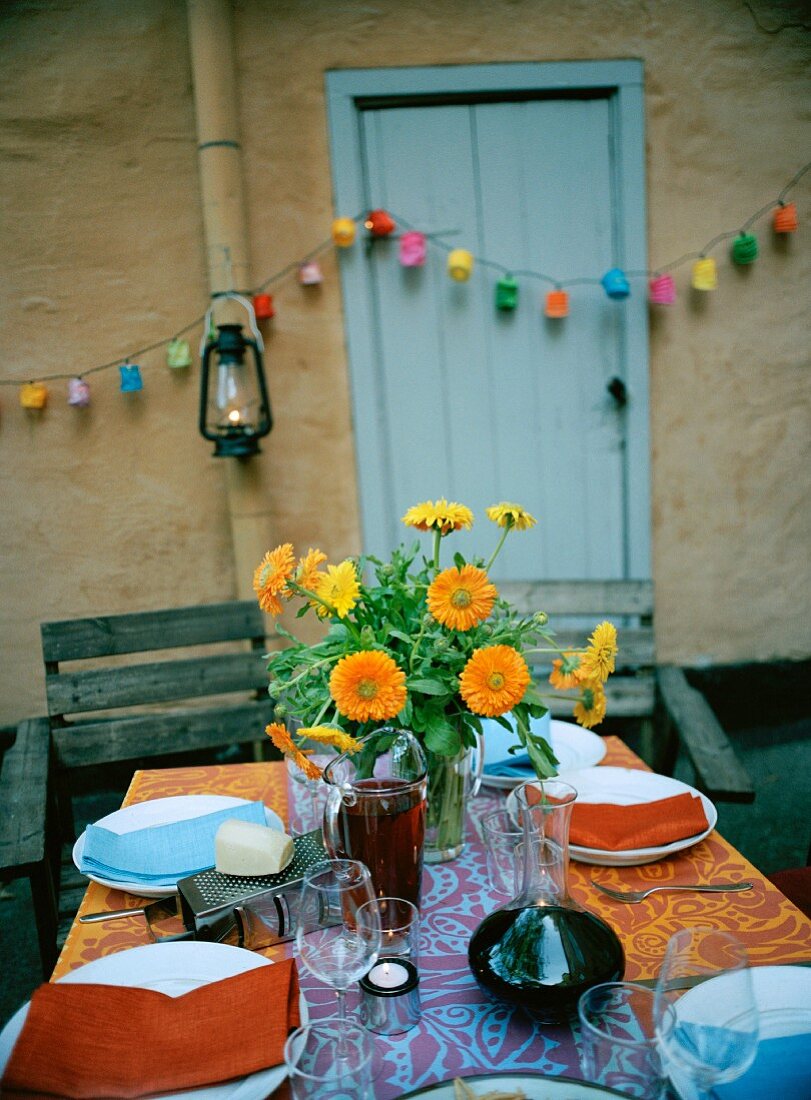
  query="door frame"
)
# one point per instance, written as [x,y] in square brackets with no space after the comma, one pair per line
[350,91]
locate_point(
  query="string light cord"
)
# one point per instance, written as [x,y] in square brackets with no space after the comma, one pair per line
[438,242]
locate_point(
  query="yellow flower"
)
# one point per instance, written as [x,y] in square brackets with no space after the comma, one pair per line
[284,743]
[511,515]
[461,598]
[494,680]
[307,571]
[368,685]
[442,516]
[328,735]
[338,587]
[598,660]
[271,576]
[590,708]
[565,672]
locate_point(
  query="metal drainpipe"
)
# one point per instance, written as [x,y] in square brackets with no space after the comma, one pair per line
[211,43]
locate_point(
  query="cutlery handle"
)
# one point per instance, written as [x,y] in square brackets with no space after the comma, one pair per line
[714,887]
[111,914]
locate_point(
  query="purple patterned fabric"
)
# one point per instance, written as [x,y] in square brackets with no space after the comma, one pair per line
[462,1032]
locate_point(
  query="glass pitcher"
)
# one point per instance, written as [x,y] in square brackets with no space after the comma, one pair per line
[375,811]
[541,950]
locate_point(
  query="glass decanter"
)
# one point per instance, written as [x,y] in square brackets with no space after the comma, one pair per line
[541,950]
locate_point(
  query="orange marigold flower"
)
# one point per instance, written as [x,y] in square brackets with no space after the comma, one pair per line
[461,598]
[368,685]
[590,708]
[307,570]
[284,743]
[565,672]
[494,680]
[598,660]
[271,576]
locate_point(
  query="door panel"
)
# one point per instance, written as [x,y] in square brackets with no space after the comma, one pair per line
[452,397]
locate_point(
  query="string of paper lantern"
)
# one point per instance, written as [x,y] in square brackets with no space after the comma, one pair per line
[412,252]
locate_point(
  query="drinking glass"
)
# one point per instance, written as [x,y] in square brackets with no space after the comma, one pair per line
[307,808]
[338,931]
[619,1047]
[330,1061]
[501,837]
[706,981]
[399,929]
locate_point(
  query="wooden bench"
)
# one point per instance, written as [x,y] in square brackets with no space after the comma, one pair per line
[123,688]
[670,712]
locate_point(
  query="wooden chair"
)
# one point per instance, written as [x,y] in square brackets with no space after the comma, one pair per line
[135,688]
[669,711]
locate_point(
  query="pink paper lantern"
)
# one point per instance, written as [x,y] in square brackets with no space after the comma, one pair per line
[412,249]
[310,274]
[662,290]
[78,393]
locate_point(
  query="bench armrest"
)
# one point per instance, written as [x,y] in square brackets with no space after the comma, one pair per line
[23,798]
[719,772]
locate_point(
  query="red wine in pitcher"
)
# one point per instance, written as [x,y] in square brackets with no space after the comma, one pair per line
[385,829]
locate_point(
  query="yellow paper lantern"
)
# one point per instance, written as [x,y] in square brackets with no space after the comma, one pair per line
[343,232]
[460,265]
[705,274]
[33,395]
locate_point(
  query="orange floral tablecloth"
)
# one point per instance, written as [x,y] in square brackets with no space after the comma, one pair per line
[772,928]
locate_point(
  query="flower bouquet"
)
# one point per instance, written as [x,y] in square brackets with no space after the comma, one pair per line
[430,649]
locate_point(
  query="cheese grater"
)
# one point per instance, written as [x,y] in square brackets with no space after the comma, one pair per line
[208,899]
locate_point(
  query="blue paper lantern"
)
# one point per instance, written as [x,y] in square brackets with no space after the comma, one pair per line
[616,284]
[131,378]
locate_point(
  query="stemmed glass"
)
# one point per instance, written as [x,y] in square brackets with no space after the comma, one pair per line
[714,1036]
[338,931]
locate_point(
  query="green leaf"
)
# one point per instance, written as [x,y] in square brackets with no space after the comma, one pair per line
[443,739]
[428,687]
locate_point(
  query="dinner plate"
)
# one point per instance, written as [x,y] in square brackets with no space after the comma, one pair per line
[574,747]
[161,811]
[534,1086]
[630,787]
[173,969]
[783,999]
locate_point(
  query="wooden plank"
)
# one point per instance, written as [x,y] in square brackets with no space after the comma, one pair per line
[110,635]
[719,771]
[23,794]
[636,647]
[160,733]
[154,682]
[627,697]
[581,597]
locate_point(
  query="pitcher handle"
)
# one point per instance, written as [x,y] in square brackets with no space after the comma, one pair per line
[478,765]
[332,833]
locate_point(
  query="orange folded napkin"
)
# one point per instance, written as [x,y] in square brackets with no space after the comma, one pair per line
[112,1041]
[644,825]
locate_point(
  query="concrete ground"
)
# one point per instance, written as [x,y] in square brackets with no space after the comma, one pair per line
[773,833]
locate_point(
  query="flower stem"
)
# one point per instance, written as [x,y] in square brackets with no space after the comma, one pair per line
[499,544]
[437,543]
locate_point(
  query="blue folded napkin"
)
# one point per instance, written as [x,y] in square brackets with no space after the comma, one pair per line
[514,765]
[159,855]
[782,1066]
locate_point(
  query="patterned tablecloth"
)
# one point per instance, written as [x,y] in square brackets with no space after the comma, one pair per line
[461,1031]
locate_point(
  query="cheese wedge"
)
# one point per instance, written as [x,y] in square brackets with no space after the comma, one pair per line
[246,848]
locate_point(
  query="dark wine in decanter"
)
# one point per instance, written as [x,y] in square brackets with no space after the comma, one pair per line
[541,950]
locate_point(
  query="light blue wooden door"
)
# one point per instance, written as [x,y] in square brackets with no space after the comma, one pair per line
[538,170]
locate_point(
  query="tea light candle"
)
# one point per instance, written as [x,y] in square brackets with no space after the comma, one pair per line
[390,997]
[387,975]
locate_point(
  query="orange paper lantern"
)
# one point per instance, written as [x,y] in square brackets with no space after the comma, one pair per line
[557,304]
[33,395]
[380,223]
[785,218]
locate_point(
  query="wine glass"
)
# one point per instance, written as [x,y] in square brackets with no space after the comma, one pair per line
[338,931]
[714,1035]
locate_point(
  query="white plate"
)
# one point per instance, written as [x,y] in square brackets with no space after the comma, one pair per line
[783,999]
[630,787]
[161,811]
[534,1086]
[174,969]
[574,747]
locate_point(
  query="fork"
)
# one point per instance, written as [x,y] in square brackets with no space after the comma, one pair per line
[634,896]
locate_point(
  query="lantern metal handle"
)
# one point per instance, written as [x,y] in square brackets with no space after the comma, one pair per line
[243,301]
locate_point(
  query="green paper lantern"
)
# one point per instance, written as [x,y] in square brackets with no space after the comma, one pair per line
[744,249]
[506,293]
[178,354]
